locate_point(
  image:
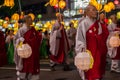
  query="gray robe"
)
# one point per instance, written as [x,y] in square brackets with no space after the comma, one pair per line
[17,39]
[81,34]
[71,33]
[111,51]
[112,27]
[80,46]
[55,36]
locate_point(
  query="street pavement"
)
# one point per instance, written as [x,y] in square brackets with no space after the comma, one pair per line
[8,72]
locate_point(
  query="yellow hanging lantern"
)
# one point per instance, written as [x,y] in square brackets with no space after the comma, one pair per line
[111,5]
[62,4]
[118,15]
[52,2]
[43,30]
[32,16]
[5,24]
[9,3]
[94,3]
[99,7]
[107,8]
[15,16]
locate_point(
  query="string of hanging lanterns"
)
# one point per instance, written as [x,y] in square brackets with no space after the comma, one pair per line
[107,7]
[8,3]
[59,3]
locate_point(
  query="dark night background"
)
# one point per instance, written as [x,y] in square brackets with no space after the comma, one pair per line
[34,6]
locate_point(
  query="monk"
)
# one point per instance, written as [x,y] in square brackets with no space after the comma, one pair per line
[71,33]
[28,68]
[59,45]
[91,35]
[114,53]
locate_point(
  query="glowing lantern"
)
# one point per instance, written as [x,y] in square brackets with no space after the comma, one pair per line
[106,20]
[111,5]
[72,12]
[15,16]
[15,25]
[5,24]
[116,2]
[107,8]
[39,16]
[24,50]
[62,4]
[7,18]
[109,21]
[99,7]
[22,15]
[66,13]
[43,30]
[94,3]
[118,15]
[114,41]
[32,16]
[56,6]
[84,60]
[53,22]
[81,11]
[9,3]
[52,2]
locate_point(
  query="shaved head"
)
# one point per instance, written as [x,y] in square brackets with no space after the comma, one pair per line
[91,11]
[113,18]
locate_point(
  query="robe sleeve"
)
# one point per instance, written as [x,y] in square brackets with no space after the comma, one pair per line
[80,38]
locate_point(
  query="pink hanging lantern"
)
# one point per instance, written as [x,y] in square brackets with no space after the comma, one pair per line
[116,2]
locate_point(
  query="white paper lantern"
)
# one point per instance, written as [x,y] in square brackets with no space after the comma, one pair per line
[66,13]
[84,60]
[114,41]
[24,51]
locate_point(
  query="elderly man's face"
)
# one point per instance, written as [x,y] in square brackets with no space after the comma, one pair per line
[102,16]
[92,12]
